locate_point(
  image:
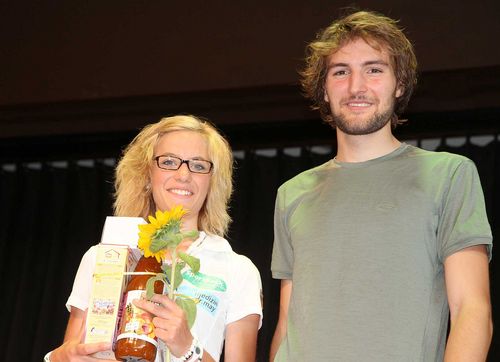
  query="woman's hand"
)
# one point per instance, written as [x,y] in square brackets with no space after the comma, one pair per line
[170,323]
[72,351]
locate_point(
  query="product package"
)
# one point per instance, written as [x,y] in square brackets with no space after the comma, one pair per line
[116,255]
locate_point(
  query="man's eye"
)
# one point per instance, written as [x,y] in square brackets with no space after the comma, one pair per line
[375,70]
[340,72]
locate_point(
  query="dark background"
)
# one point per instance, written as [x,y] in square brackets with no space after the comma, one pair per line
[78,79]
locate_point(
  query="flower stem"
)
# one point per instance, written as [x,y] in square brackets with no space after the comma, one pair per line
[172,276]
[171,289]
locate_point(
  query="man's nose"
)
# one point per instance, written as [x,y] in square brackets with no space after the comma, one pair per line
[357,83]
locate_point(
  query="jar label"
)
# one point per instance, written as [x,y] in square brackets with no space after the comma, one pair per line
[136,323]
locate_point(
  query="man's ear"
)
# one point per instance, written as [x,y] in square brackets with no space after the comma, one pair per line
[399,91]
[325,96]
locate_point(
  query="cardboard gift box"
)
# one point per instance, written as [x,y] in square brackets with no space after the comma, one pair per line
[116,254]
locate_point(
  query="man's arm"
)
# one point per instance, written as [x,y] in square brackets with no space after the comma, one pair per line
[279,333]
[467,286]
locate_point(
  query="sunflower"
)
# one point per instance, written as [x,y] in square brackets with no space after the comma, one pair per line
[162,232]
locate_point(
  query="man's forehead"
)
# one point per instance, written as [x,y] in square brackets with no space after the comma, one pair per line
[377,45]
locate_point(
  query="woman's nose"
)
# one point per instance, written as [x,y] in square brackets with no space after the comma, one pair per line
[183,172]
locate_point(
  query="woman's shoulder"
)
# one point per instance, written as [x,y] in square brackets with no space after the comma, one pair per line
[237,261]
[90,255]
[216,243]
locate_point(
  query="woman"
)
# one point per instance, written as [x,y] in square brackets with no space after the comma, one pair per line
[181,160]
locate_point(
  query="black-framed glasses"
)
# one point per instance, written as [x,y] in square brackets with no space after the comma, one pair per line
[173,163]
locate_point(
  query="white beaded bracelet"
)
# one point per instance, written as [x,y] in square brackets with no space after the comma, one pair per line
[195,352]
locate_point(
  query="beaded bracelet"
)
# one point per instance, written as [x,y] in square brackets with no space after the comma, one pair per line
[195,352]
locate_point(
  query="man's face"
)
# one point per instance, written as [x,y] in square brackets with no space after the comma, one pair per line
[361,88]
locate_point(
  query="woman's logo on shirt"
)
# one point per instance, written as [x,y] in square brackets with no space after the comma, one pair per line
[204,281]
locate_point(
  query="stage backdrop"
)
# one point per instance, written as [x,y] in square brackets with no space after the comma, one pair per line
[51,212]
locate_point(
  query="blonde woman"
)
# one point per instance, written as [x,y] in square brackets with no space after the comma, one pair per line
[182,160]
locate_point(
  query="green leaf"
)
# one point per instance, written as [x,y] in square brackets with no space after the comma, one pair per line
[176,239]
[178,275]
[167,268]
[193,234]
[173,225]
[192,261]
[157,245]
[169,236]
[189,308]
[150,284]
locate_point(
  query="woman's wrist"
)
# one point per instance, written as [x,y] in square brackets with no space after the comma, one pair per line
[47,357]
[195,352]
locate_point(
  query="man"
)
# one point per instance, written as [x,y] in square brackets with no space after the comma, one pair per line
[376,247]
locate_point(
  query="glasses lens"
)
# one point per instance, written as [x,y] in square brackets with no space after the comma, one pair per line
[169,162]
[199,166]
[174,163]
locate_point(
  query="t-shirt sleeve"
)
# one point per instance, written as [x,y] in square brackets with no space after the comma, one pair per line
[282,257]
[463,221]
[82,284]
[246,290]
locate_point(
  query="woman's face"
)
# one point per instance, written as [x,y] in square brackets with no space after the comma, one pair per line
[181,187]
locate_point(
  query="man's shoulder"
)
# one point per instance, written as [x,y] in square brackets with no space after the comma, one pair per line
[307,179]
[304,183]
[435,156]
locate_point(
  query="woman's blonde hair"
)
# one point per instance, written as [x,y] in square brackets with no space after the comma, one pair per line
[133,195]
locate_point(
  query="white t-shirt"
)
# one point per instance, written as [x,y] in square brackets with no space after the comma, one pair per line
[228,286]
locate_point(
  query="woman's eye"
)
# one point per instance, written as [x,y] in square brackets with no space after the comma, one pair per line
[169,162]
[199,166]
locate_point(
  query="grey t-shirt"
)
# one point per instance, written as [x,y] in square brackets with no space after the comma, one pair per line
[364,244]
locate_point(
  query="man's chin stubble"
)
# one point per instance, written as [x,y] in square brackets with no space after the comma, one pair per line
[376,123]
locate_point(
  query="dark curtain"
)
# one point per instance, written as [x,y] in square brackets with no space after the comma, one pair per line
[51,213]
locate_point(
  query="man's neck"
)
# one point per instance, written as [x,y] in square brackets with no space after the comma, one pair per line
[365,147]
